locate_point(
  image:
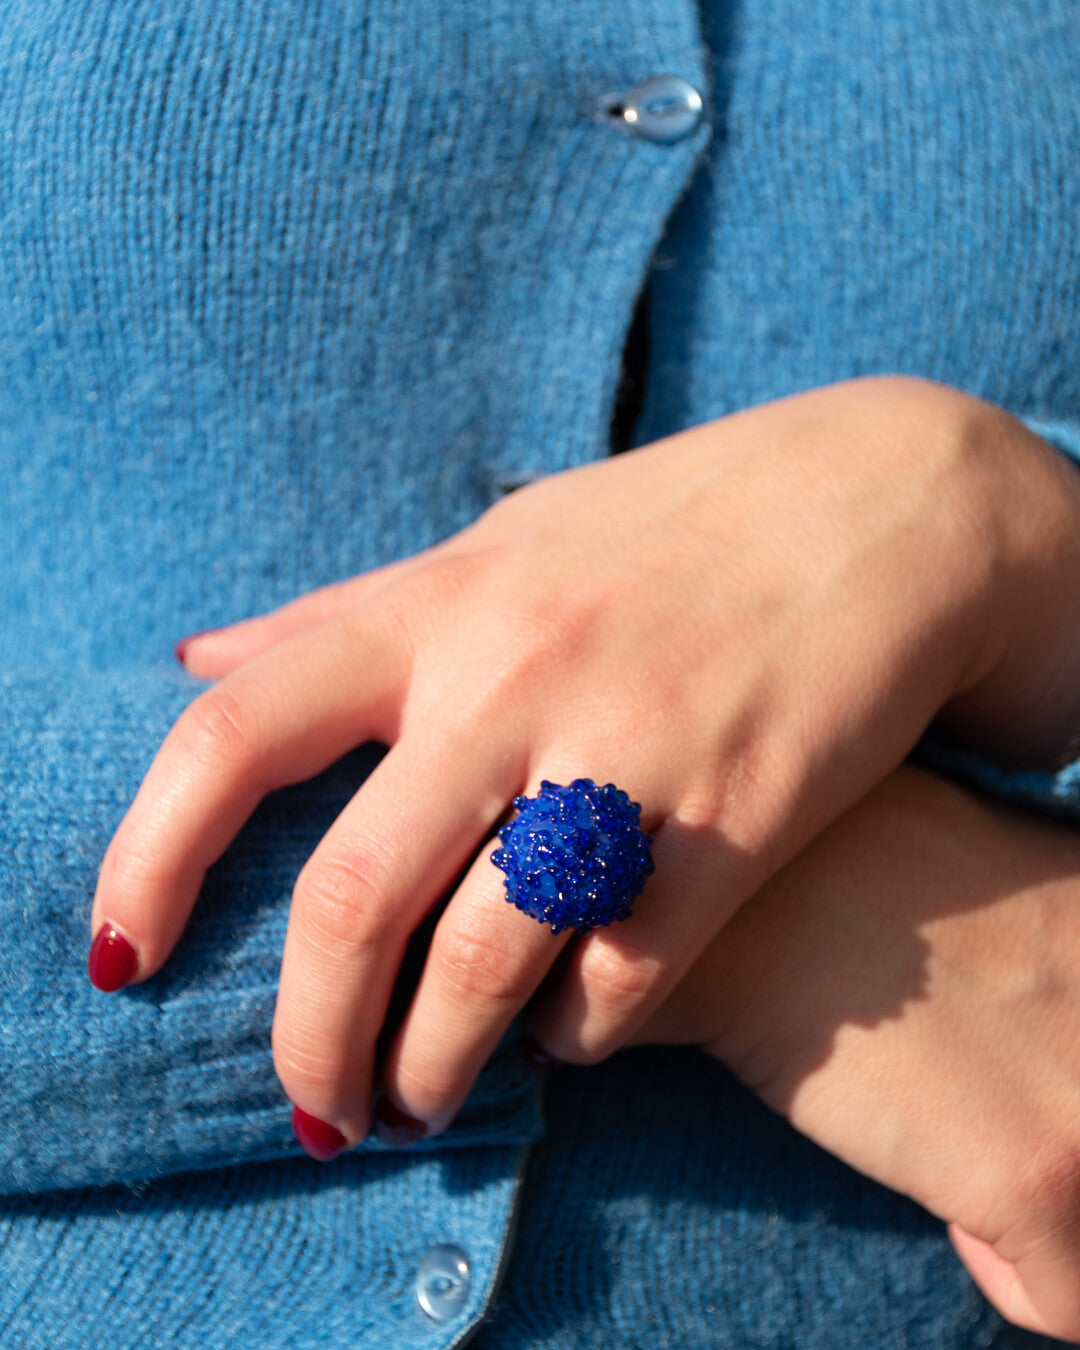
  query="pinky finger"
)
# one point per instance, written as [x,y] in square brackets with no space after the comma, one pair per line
[219,651]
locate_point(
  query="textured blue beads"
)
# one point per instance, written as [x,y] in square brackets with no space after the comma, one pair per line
[575,857]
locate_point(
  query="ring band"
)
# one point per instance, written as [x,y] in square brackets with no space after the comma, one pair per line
[575,857]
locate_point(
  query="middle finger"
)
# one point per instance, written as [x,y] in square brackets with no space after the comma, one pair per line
[386,860]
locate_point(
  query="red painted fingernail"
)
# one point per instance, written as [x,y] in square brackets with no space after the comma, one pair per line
[180,650]
[536,1054]
[394,1127]
[112,960]
[318,1139]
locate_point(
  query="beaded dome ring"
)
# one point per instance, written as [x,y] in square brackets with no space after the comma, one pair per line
[575,857]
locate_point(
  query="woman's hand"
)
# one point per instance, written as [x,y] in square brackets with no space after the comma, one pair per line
[907,993]
[745,626]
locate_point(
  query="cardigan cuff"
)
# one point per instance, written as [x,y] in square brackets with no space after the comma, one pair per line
[1050,792]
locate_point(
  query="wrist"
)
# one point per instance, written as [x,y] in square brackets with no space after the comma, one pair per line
[1020,699]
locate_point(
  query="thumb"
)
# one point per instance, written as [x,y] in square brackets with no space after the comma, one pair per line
[1039,1292]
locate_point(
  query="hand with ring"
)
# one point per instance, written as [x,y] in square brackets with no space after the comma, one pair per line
[743,628]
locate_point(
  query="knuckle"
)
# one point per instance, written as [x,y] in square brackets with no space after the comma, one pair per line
[713,798]
[748,793]
[478,968]
[127,869]
[446,580]
[440,1095]
[342,895]
[619,979]
[306,1070]
[432,597]
[216,729]
[551,634]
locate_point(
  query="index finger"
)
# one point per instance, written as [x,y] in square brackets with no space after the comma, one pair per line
[282,718]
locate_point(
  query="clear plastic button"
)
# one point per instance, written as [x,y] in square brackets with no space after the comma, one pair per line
[443,1281]
[662,109]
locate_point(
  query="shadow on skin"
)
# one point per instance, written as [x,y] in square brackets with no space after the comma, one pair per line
[870,922]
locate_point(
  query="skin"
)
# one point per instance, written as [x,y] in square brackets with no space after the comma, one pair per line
[747,626]
[907,993]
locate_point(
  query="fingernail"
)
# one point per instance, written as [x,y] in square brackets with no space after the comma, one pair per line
[394,1127]
[317,1138]
[536,1054]
[112,960]
[180,650]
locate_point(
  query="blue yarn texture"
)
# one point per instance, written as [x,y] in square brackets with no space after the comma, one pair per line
[575,857]
[293,288]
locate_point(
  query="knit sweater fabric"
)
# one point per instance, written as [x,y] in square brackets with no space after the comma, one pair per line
[291,288]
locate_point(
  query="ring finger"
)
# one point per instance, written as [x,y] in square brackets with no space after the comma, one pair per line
[486,961]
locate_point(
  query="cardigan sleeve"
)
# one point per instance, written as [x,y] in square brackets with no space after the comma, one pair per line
[174,1074]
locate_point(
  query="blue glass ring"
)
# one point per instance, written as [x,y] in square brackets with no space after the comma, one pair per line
[575,857]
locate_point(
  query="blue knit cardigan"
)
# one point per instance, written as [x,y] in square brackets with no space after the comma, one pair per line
[289,288]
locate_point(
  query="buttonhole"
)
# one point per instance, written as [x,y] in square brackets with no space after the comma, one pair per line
[610,108]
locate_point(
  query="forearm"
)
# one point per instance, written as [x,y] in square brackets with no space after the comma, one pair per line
[906,993]
[1022,705]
